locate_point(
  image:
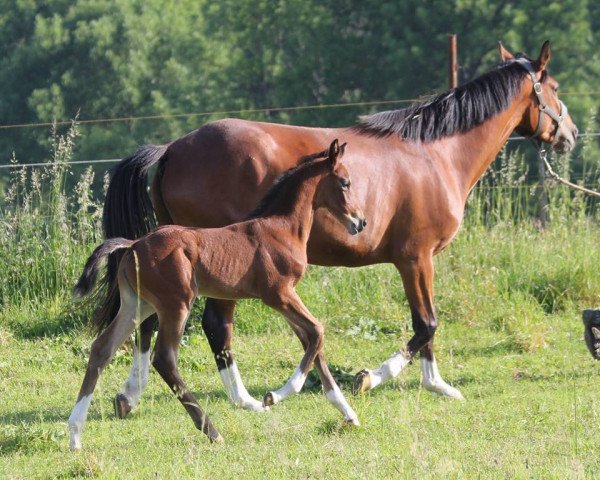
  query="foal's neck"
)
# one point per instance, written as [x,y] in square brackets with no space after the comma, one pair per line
[296,219]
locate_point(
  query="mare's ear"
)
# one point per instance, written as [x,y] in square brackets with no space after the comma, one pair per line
[505,55]
[542,62]
[335,152]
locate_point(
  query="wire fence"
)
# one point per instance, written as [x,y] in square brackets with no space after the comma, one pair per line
[222,113]
[114,160]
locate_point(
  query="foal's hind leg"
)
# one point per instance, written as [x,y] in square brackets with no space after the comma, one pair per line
[417,276]
[170,331]
[103,349]
[217,323]
[132,389]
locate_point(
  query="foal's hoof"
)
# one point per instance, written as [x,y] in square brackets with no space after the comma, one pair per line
[351,422]
[591,322]
[216,439]
[122,405]
[362,382]
[268,400]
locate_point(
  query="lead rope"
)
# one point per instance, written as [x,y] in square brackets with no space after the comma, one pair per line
[544,156]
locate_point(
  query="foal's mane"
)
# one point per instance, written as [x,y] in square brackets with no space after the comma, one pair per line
[457,110]
[284,182]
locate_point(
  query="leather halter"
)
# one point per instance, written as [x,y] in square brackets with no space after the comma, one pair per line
[543,106]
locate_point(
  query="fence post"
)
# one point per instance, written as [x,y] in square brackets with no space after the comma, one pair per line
[453,61]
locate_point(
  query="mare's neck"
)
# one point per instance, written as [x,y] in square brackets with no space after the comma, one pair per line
[473,152]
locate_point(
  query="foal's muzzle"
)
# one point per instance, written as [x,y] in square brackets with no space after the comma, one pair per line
[356,224]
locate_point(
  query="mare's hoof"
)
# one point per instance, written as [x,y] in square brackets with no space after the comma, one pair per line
[122,406]
[362,382]
[268,400]
[591,322]
[216,439]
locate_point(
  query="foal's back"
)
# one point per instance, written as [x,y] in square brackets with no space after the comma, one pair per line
[243,260]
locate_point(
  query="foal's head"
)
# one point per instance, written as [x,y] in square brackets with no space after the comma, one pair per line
[546,118]
[335,192]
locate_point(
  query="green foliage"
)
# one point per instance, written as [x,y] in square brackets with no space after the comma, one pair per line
[46,233]
[123,58]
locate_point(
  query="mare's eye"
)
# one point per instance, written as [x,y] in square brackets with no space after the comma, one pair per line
[345,183]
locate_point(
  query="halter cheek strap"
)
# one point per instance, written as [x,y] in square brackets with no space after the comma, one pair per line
[543,106]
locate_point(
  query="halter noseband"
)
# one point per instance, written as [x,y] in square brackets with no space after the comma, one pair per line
[543,106]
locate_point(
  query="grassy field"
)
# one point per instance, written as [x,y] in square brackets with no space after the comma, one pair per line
[509,297]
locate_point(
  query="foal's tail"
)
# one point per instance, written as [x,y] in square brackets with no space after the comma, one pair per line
[127,213]
[88,278]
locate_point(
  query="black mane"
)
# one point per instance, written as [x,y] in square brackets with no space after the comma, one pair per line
[283,182]
[456,111]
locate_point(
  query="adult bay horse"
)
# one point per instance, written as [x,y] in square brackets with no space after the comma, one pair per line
[412,170]
[264,257]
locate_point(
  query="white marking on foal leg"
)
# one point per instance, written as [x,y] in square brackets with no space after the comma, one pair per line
[237,391]
[293,385]
[433,381]
[389,369]
[336,397]
[76,421]
[138,377]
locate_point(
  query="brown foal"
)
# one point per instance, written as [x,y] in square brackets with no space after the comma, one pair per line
[412,172]
[263,257]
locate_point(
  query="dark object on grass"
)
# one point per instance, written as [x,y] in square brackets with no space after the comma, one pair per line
[591,323]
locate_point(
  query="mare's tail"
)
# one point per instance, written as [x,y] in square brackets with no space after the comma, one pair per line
[128,213]
[88,278]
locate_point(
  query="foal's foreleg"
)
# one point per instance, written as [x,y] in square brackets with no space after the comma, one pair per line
[170,331]
[294,311]
[217,322]
[417,277]
[330,387]
[132,389]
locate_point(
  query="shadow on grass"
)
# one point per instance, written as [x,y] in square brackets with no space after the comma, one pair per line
[47,326]
[335,428]
[32,431]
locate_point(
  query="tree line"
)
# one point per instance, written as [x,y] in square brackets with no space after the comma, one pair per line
[132,58]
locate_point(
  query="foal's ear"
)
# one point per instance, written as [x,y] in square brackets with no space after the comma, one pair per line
[542,62]
[335,152]
[505,55]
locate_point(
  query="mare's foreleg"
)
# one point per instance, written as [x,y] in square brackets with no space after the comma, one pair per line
[170,331]
[417,277]
[217,323]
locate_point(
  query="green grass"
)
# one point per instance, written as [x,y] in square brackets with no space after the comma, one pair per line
[508,299]
[509,338]
[527,414]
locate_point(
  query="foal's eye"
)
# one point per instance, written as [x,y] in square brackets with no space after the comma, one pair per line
[345,183]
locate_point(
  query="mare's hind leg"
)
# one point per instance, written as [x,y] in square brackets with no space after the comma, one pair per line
[170,331]
[131,391]
[311,334]
[417,277]
[217,323]
[103,349]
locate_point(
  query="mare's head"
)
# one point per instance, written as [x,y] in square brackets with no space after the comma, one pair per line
[546,118]
[335,192]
